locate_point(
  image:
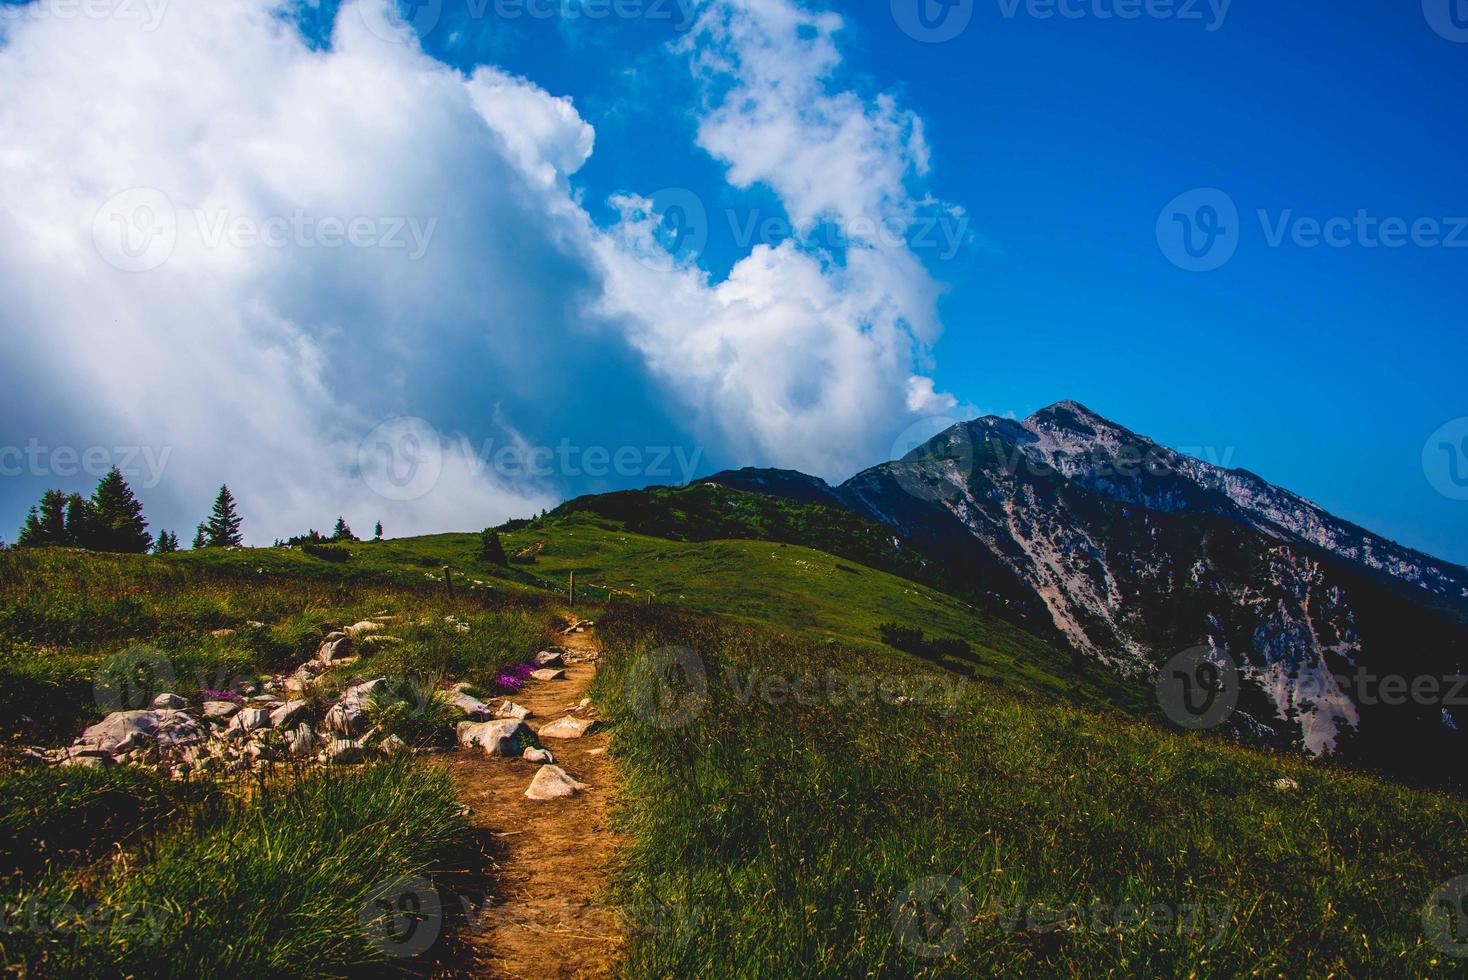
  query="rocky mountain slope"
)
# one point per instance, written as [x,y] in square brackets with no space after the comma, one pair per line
[1132,553]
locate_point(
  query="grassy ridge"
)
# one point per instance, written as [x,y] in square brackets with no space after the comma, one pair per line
[780,836]
[806,592]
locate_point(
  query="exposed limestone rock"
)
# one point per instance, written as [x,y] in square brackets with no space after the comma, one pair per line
[546,674]
[567,728]
[553,783]
[508,738]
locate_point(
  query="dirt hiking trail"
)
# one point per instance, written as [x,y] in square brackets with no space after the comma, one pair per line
[553,857]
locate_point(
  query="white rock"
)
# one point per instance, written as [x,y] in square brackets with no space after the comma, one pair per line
[553,783]
[332,650]
[508,738]
[303,742]
[567,728]
[509,709]
[220,709]
[250,720]
[285,714]
[1286,785]
[473,708]
[546,674]
[549,658]
[124,730]
[539,756]
[349,714]
[365,626]
[170,701]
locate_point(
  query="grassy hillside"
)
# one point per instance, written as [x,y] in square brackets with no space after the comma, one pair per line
[809,593]
[845,834]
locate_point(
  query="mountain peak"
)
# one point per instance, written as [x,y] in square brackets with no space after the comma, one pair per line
[1066,407]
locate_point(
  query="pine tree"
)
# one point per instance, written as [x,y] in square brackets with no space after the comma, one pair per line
[53,518]
[222,530]
[342,532]
[200,538]
[30,531]
[167,543]
[81,522]
[117,518]
[377,532]
[490,550]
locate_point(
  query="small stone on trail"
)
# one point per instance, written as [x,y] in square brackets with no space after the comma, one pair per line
[549,658]
[509,738]
[541,756]
[553,783]
[567,728]
[546,674]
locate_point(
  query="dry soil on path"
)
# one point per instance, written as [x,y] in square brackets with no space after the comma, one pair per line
[552,858]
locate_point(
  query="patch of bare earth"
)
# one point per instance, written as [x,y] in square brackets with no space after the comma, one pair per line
[552,857]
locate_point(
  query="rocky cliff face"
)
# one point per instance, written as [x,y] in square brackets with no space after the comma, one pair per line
[1132,552]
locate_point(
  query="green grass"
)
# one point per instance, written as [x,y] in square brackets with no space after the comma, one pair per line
[808,593]
[273,885]
[67,619]
[775,837]
[64,816]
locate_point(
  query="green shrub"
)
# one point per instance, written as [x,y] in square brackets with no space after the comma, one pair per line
[413,709]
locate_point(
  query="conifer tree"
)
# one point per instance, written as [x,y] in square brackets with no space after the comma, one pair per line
[342,532]
[377,532]
[116,518]
[490,549]
[81,522]
[201,539]
[222,530]
[52,524]
[30,531]
[167,543]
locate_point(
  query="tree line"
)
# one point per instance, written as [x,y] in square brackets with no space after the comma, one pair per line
[112,520]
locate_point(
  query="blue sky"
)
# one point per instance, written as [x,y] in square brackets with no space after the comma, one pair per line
[1051,147]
